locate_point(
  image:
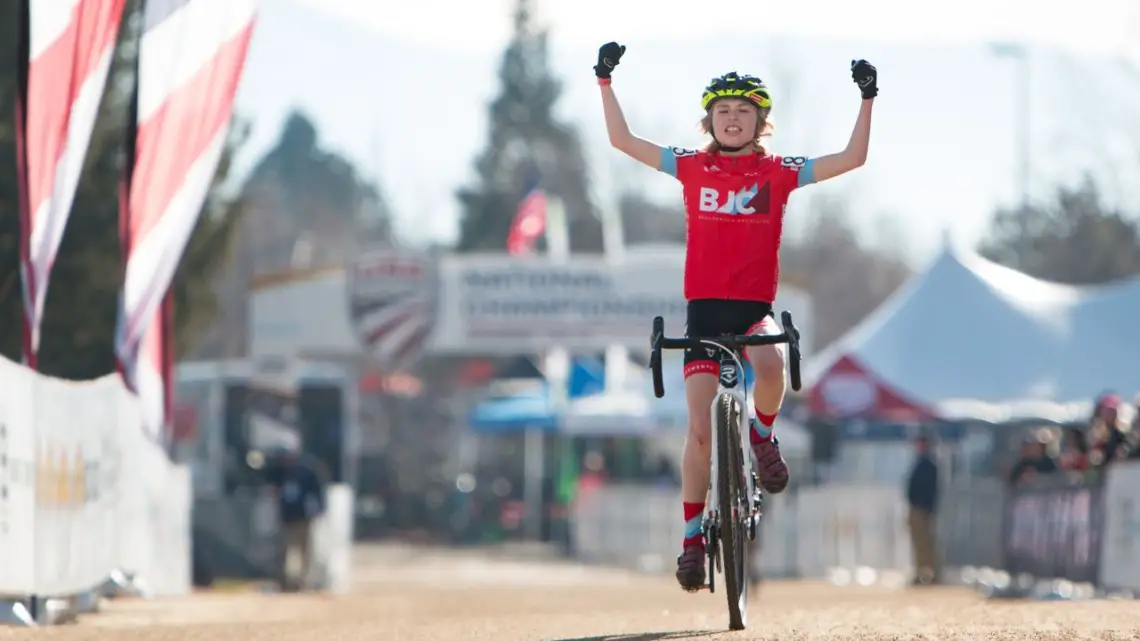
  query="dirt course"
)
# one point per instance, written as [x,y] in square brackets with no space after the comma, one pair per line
[417,595]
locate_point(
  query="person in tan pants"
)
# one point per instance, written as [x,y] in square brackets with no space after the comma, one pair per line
[922,498]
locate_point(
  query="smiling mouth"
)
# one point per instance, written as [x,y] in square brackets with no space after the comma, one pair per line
[732,129]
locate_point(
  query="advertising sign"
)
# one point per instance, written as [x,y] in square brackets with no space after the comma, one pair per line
[394,304]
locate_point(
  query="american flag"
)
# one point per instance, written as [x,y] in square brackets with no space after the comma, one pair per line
[66,49]
[191,55]
[530,219]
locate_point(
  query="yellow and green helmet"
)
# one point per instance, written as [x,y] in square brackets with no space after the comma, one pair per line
[732,85]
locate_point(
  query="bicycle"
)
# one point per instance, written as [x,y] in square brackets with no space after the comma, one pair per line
[734,499]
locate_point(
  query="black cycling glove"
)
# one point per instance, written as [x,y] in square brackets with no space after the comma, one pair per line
[608,57]
[866,76]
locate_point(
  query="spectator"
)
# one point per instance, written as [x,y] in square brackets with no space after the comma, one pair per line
[300,491]
[1134,451]
[1074,451]
[922,497]
[1034,461]
[592,476]
[1108,432]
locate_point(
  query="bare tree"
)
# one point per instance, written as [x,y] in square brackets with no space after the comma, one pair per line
[1075,239]
[847,277]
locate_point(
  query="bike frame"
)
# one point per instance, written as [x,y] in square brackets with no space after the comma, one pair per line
[729,381]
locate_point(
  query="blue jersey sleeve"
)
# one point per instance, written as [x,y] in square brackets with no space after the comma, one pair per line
[796,171]
[676,161]
[807,174]
[668,163]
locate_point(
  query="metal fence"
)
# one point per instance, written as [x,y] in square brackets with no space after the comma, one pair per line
[1083,529]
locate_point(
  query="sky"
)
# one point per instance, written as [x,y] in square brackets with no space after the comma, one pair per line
[944,151]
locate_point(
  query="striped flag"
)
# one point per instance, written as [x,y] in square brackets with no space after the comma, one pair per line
[65,53]
[191,55]
[530,219]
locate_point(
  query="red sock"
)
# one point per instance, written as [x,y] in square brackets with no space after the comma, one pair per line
[693,533]
[762,429]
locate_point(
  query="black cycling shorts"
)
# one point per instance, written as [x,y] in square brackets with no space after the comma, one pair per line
[709,318]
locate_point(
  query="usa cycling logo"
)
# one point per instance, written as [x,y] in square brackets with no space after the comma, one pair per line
[391,303]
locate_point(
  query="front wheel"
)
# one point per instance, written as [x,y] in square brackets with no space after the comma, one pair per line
[731,490]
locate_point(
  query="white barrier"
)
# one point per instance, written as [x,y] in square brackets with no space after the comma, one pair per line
[332,539]
[634,526]
[970,520]
[641,527]
[848,527]
[779,538]
[848,532]
[84,494]
[1120,546]
[810,534]
[834,531]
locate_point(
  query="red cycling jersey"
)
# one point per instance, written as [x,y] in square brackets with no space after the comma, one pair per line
[734,211]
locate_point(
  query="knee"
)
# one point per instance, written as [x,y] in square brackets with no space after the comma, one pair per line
[768,367]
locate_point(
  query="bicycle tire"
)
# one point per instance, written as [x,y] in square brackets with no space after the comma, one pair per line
[730,487]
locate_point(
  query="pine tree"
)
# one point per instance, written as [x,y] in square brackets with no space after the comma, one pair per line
[301,190]
[303,206]
[524,135]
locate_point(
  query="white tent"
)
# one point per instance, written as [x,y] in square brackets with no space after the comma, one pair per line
[970,337]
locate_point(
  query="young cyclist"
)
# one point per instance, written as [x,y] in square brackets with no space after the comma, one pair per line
[735,193]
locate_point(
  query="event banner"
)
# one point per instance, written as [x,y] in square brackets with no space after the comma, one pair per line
[1053,530]
[501,304]
[397,305]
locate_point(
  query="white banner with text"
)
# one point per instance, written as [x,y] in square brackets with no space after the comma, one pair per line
[502,304]
[84,492]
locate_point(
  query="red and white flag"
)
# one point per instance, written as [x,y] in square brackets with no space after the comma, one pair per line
[191,56]
[529,222]
[65,52]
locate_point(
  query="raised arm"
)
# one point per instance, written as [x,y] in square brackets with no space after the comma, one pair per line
[641,150]
[824,167]
[621,137]
[854,155]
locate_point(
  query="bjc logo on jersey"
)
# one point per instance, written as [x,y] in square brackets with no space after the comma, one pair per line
[735,202]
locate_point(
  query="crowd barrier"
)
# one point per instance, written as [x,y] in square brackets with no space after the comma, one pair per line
[1053,529]
[857,533]
[88,504]
[1083,530]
